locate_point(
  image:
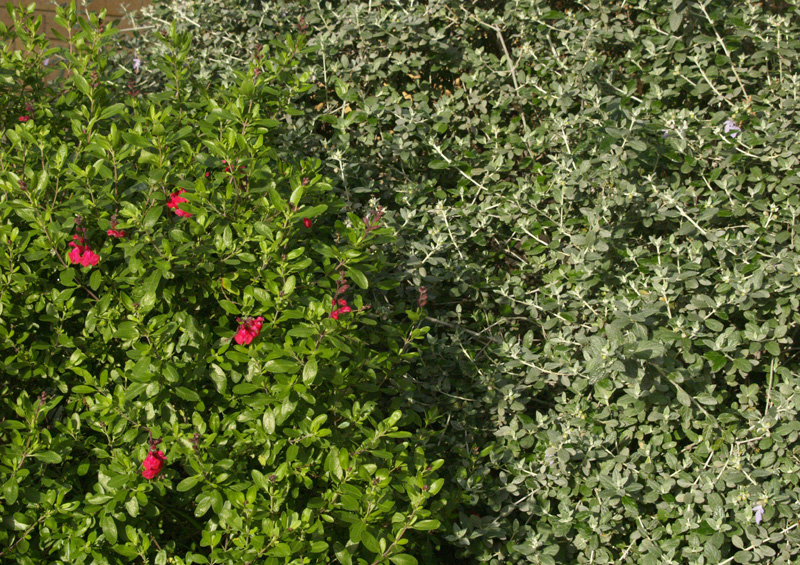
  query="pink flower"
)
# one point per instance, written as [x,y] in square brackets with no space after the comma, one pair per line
[307,223]
[81,254]
[175,199]
[248,330]
[116,233]
[24,119]
[153,464]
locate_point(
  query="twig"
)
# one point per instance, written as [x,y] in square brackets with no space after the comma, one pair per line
[465,330]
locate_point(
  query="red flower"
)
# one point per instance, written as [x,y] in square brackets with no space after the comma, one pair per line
[175,199]
[248,330]
[153,464]
[81,254]
[307,222]
[116,233]
[343,310]
[24,119]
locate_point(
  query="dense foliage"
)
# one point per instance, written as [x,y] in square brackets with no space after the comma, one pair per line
[191,367]
[599,201]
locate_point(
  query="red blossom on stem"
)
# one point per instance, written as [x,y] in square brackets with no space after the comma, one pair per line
[116,233]
[175,200]
[341,288]
[81,254]
[248,330]
[307,223]
[24,119]
[153,464]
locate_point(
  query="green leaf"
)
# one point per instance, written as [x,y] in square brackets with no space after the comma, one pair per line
[187,394]
[189,483]
[357,277]
[126,331]
[402,559]
[716,359]
[203,504]
[84,87]
[230,307]
[312,211]
[356,530]
[683,397]
[268,420]
[246,388]
[112,110]
[297,194]
[310,370]
[218,376]
[141,370]
[342,555]
[95,279]
[675,21]
[425,525]
[109,527]
[151,217]
[149,290]
[10,490]
[281,366]
[48,456]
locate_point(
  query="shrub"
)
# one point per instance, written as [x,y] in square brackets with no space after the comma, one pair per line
[600,198]
[191,365]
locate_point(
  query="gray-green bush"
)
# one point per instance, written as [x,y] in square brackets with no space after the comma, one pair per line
[601,200]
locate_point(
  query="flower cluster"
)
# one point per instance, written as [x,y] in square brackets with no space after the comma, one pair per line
[248,330]
[114,232]
[153,464]
[24,119]
[81,254]
[174,202]
[343,308]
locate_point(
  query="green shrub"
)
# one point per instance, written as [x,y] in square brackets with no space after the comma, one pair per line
[191,367]
[601,199]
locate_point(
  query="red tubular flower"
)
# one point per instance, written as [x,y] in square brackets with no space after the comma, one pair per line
[153,464]
[81,254]
[307,223]
[24,119]
[248,330]
[175,200]
[343,310]
[116,233]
